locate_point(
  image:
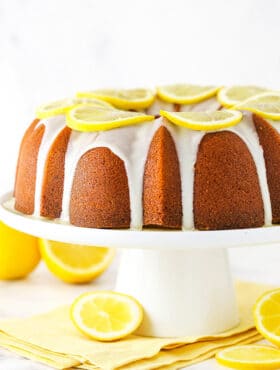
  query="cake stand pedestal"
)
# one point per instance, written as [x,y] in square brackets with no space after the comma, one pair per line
[182,278]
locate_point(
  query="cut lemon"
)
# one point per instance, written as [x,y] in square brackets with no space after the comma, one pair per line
[232,95]
[250,357]
[122,99]
[106,316]
[86,117]
[186,94]
[267,105]
[75,263]
[62,106]
[204,120]
[267,316]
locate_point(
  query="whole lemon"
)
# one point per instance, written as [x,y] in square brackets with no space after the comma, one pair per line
[19,253]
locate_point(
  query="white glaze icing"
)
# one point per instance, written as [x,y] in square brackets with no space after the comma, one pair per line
[159,104]
[131,144]
[53,127]
[247,132]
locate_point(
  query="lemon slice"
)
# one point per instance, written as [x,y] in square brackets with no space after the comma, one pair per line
[267,105]
[232,95]
[186,94]
[204,120]
[87,117]
[123,99]
[250,357]
[62,106]
[106,316]
[267,316]
[75,263]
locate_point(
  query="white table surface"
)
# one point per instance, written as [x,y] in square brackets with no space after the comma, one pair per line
[41,292]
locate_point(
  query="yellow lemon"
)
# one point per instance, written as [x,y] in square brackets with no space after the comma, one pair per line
[75,263]
[86,117]
[232,95]
[185,93]
[267,316]
[62,106]
[106,316]
[250,357]
[266,105]
[136,99]
[19,253]
[204,120]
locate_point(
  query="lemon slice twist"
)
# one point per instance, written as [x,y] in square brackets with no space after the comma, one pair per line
[185,93]
[204,120]
[87,118]
[136,99]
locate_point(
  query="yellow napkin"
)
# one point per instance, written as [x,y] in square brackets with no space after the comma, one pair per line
[51,338]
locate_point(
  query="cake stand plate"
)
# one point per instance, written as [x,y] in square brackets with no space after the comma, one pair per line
[182,278]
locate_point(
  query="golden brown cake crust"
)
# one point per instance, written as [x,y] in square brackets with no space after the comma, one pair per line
[227,193]
[27,167]
[162,200]
[270,142]
[100,194]
[52,187]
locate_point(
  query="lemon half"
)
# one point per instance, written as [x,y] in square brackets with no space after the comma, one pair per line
[75,263]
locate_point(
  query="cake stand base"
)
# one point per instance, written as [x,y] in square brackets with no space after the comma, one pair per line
[183,292]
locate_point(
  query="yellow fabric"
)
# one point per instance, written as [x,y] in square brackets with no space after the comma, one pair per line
[51,338]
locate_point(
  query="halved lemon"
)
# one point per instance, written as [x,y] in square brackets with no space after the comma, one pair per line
[64,105]
[105,315]
[185,93]
[267,105]
[204,120]
[267,316]
[75,263]
[123,99]
[232,95]
[86,117]
[250,357]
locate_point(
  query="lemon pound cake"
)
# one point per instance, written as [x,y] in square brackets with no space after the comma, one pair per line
[181,157]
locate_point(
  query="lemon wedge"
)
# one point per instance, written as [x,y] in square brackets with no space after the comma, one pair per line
[232,95]
[105,315]
[250,357]
[207,121]
[186,94]
[86,117]
[58,107]
[266,105]
[75,263]
[136,99]
[267,316]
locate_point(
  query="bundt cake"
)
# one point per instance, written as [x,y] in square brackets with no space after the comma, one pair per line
[152,175]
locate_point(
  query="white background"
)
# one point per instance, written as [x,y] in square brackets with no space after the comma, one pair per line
[51,48]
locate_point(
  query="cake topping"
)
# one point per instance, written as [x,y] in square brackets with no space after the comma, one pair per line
[123,99]
[205,121]
[62,106]
[87,118]
[266,105]
[232,95]
[185,93]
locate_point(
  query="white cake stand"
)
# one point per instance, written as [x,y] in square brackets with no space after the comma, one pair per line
[182,278]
